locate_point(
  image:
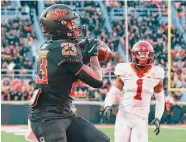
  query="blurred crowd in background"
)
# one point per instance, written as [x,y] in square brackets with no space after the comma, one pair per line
[178,51]
[17,36]
[146,20]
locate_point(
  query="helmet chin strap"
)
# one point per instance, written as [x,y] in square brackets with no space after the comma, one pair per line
[141,67]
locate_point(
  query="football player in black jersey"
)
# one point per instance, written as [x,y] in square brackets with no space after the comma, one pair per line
[59,67]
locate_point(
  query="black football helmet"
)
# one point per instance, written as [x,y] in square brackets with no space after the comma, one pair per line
[60,22]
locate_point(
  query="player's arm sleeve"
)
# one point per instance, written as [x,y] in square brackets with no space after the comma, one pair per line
[159,95]
[88,76]
[116,88]
[160,104]
[84,73]
[118,70]
[110,98]
[161,73]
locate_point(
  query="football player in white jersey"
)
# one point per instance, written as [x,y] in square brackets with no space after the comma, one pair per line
[137,81]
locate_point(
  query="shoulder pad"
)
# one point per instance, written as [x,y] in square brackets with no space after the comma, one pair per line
[45,45]
[120,68]
[160,72]
[70,52]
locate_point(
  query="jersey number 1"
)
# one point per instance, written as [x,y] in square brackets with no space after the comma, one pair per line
[139,89]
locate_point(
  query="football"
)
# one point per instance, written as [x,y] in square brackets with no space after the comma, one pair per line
[104,52]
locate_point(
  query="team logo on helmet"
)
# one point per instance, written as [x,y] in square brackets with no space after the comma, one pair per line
[56,14]
[61,22]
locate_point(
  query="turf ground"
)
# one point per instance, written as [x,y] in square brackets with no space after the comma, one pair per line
[168,133]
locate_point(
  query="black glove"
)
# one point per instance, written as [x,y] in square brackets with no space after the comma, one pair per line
[107,112]
[89,47]
[156,122]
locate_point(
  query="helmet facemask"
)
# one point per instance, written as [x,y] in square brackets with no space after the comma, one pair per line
[75,32]
[143,53]
[143,58]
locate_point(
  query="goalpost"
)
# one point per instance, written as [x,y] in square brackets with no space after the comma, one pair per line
[126,30]
[168,46]
[169,50]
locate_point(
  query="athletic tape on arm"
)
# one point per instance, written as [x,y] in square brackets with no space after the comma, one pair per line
[109,100]
[160,104]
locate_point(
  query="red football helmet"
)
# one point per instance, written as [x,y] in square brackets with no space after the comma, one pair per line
[142,53]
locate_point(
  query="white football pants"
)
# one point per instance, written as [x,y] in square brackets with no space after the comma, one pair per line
[130,128]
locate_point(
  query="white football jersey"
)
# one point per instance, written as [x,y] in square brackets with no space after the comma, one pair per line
[137,91]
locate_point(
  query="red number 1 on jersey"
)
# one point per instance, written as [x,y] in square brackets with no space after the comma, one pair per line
[139,89]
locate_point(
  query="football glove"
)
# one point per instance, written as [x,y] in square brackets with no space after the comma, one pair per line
[89,47]
[107,112]
[156,122]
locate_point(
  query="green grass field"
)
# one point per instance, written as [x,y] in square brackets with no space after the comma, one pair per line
[168,134]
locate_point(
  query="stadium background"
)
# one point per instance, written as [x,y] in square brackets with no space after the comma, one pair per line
[119,24]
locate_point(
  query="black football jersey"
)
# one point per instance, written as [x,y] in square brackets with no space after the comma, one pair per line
[57,63]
